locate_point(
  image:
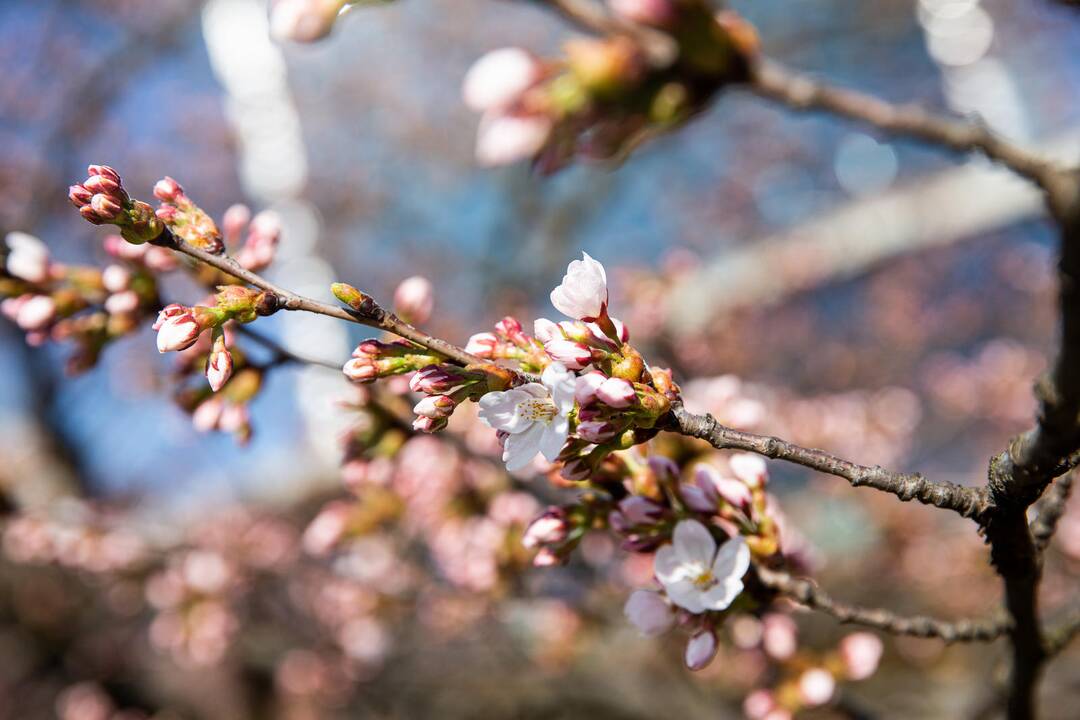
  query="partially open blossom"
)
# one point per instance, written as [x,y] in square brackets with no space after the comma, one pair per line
[435,406]
[730,490]
[861,654]
[502,139]
[695,576]
[482,345]
[701,649]
[550,528]
[414,299]
[177,328]
[499,78]
[219,366]
[534,415]
[571,354]
[587,385]
[361,369]
[28,258]
[649,612]
[583,293]
[303,20]
[816,686]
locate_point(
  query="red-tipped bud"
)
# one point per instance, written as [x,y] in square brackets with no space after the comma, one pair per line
[105,207]
[573,355]
[79,195]
[616,392]
[482,345]
[168,190]
[219,366]
[361,369]
[177,328]
[434,379]
[435,406]
[596,431]
[428,425]
[550,528]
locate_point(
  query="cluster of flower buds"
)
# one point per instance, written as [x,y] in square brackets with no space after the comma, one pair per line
[185,219]
[102,200]
[608,93]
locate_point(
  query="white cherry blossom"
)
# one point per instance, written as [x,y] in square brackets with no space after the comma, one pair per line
[695,576]
[583,293]
[534,415]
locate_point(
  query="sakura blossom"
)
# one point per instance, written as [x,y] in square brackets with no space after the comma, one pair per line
[696,576]
[583,292]
[499,78]
[28,257]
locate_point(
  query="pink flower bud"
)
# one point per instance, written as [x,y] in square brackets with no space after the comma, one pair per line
[511,328]
[499,78]
[122,303]
[303,20]
[434,380]
[550,528]
[361,370]
[35,312]
[697,499]
[28,258]
[103,185]
[505,139]
[657,13]
[573,355]
[219,366]
[575,470]
[731,491]
[545,331]
[234,221]
[751,469]
[79,196]
[701,650]
[620,330]
[177,328]
[816,686]
[639,510]
[116,278]
[208,414]
[105,207]
[429,425]
[104,171]
[616,392]
[665,469]
[596,431]
[90,215]
[414,299]
[779,636]
[234,418]
[168,190]
[861,653]
[482,345]
[649,613]
[586,387]
[583,292]
[435,407]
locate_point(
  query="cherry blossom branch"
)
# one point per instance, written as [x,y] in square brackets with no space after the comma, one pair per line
[371,314]
[807,593]
[1050,510]
[967,501]
[772,80]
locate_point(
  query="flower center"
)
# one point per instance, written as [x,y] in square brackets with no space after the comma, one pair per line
[703,579]
[539,410]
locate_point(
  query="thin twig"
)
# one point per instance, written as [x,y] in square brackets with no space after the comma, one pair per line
[807,593]
[1050,510]
[967,501]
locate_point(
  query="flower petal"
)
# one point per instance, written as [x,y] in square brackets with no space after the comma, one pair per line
[732,561]
[686,595]
[554,437]
[667,566]
[694,543]
[501,410]
[520,449]
[721,595]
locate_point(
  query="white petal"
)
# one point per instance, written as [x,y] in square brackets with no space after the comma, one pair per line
[694,543]
[721,595]
[595,266]
[553,438]
[561,382]
[686,595]
[732,561]
[501,410]
[520,449]
[649,613]
[667,566]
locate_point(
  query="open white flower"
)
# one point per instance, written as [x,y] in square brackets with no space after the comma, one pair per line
[583,293]
[28,259]
[534,415]
[695,576]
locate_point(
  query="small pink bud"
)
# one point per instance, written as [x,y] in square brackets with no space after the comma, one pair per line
[510,327]
[90,215]
[505,139]
[575,470]
[102,185]
[177,329]
[701,650]
[434,379]
[751,469]
[482,345]
[499,78]
[116,278]
[616,392]
[168,190]
[79,196]
[665,469]
[758,704]
[639,510]
[219,366]
[546,557]
[574,356]
[731,491]
[649,612]
[620,330]
[105,207]
[234,221]
[414,299]
[361,370]
[816,686]
[550,528]
[586,387]
[861,654]
[105,171]
[36,313]
[435,407]
[545,331]
[429,425]
[697,499]
[596,431]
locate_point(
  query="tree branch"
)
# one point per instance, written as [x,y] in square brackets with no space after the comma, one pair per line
[1059,636]
[772,80]
[1050,510]
[807,593]
[967,501]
